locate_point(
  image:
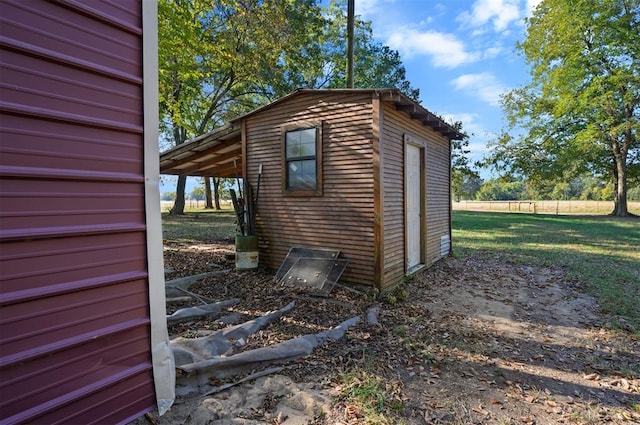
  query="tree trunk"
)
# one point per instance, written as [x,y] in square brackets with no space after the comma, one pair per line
[620,176]
[179,136]
[216,192]
[620,203]
[207,193]
[178,205]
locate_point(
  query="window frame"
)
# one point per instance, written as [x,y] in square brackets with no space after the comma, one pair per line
[286,191]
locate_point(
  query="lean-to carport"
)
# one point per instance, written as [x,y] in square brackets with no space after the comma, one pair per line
[218,153]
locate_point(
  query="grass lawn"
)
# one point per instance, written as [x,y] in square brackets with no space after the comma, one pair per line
[200,226]
[601,252]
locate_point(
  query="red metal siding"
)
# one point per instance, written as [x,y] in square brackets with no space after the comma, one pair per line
[74,305]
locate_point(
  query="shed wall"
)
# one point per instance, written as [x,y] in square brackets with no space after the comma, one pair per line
[438,195]
[74,307]
[396,125]
[343,217]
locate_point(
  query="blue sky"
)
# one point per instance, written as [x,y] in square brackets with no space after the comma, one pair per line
[460,53]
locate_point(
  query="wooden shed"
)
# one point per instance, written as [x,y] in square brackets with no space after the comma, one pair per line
[83,335]
[365,171]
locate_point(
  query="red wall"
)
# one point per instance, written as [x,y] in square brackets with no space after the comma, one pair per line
[74,309]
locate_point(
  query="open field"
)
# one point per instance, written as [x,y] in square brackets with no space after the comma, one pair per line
[602,253]
[194,206]
[544,207]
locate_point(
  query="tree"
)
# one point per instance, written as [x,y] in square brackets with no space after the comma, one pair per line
[375,65]
[581,110]
[198,193]
[216,60]
[221,59]
[501,189]
[465,181]
[168,196]
[468,187]
[208,200]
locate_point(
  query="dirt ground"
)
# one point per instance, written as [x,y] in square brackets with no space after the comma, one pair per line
[480,340]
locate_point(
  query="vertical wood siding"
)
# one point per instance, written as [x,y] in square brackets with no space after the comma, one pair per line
[343,217]
[396,125]
[438,195]
[394,128]
[74,309]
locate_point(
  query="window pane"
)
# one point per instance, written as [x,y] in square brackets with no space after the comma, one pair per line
[308,149]
[302,174]
[293,144]
[300,143]
[308,138]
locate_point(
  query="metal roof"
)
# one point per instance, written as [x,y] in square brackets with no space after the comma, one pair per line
[219,153]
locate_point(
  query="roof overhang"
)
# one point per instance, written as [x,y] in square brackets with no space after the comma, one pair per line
[418,113]
[391,95]
[218,153]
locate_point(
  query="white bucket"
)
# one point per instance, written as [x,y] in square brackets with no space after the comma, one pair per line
[246,260]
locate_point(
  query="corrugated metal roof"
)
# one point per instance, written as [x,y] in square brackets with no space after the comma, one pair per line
[74,305]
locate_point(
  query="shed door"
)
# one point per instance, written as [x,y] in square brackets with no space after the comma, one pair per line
[413,201]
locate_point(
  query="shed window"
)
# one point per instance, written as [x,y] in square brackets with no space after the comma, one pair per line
[302,162]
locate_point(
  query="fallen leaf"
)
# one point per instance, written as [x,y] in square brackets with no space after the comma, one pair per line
[528,420]
[624,384]
[480,410]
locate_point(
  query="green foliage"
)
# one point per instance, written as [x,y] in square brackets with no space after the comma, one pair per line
[465,186]
[634,194]
[581,110]
[583,187]
[168,196]
[198,193]
[465,181]
[220,59]
[224,184]
[599,252]
[501,190]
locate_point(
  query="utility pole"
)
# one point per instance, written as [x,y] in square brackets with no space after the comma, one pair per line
[350,19]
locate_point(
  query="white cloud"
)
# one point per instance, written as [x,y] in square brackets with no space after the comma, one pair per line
[444,49]
[500,13]
[483,85]
[531,5]
[492,52]
[478,134]
[468,120]
[366,8]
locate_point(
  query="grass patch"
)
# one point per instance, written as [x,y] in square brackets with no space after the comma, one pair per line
[370,398]
[200,226]
[599,251]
